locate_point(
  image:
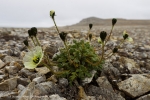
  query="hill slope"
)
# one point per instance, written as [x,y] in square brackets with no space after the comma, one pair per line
[99,21]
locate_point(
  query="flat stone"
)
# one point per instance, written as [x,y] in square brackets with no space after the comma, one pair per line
[27,93]
[145,97]
[9,59]
[103,82]
[26,73]
[20,87]
[1,63]
[39,79]
[2,77]
[39,90]
[42,70]
[23,81]
[89,79]
[8,84]
[12,69]
[63,82]
[130,64]
[56,97]
[8,95]
[103,93]
[136,85]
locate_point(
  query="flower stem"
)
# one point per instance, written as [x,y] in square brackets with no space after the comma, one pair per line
[37,41]
[33,42]
[68,53]
[103,45]
[109,34]
[88,34]
[55,25]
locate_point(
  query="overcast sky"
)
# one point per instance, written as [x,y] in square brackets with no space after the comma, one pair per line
[29,13]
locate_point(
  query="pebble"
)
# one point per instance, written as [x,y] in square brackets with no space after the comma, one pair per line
[8,84]
[12,69]
[63,82]
[135,86]
[39,79]
[1,64]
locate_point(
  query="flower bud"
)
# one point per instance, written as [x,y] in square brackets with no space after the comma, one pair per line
[114,21]
[26,43]
[30,33]
[63,36]
[115,50]
[103,35]
[52,13]
[125,36]
[90,26]
[34,31]
[90,36]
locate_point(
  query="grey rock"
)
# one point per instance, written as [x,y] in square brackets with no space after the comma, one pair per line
[136,85]
[147,47]
[1,63]
[103,82]
[143,55]
[20,46]
[51,87]
[141,48]
[39,90]
[148,55]
[145,97]
[8,84]
[2,77]
[147,66]
[108,66]
[39,79]
[129,46]
[20,87]
[90,98]
[56,97]
[105,94]
[8,59]
[52,78]
[27,93]
[12,69]
[32,91]
[42,70]
[16,52]
[12,43]
[45,97]
[89,79]
[23,81]
[27,73]
[63,82]
[131,65]
[7,51]
[8,95]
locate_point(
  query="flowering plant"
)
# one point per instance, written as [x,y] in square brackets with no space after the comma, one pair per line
[33,58]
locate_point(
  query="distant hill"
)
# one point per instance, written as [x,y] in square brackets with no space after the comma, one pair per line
[98,21]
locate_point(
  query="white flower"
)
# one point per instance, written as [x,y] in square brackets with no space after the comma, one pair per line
[33,58]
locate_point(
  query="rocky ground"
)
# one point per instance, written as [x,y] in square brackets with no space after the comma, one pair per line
[125,76]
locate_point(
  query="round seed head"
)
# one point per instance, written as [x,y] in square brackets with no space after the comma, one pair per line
[114,21]
[103,35]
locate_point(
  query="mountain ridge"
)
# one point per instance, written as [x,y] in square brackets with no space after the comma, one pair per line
[120,21]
